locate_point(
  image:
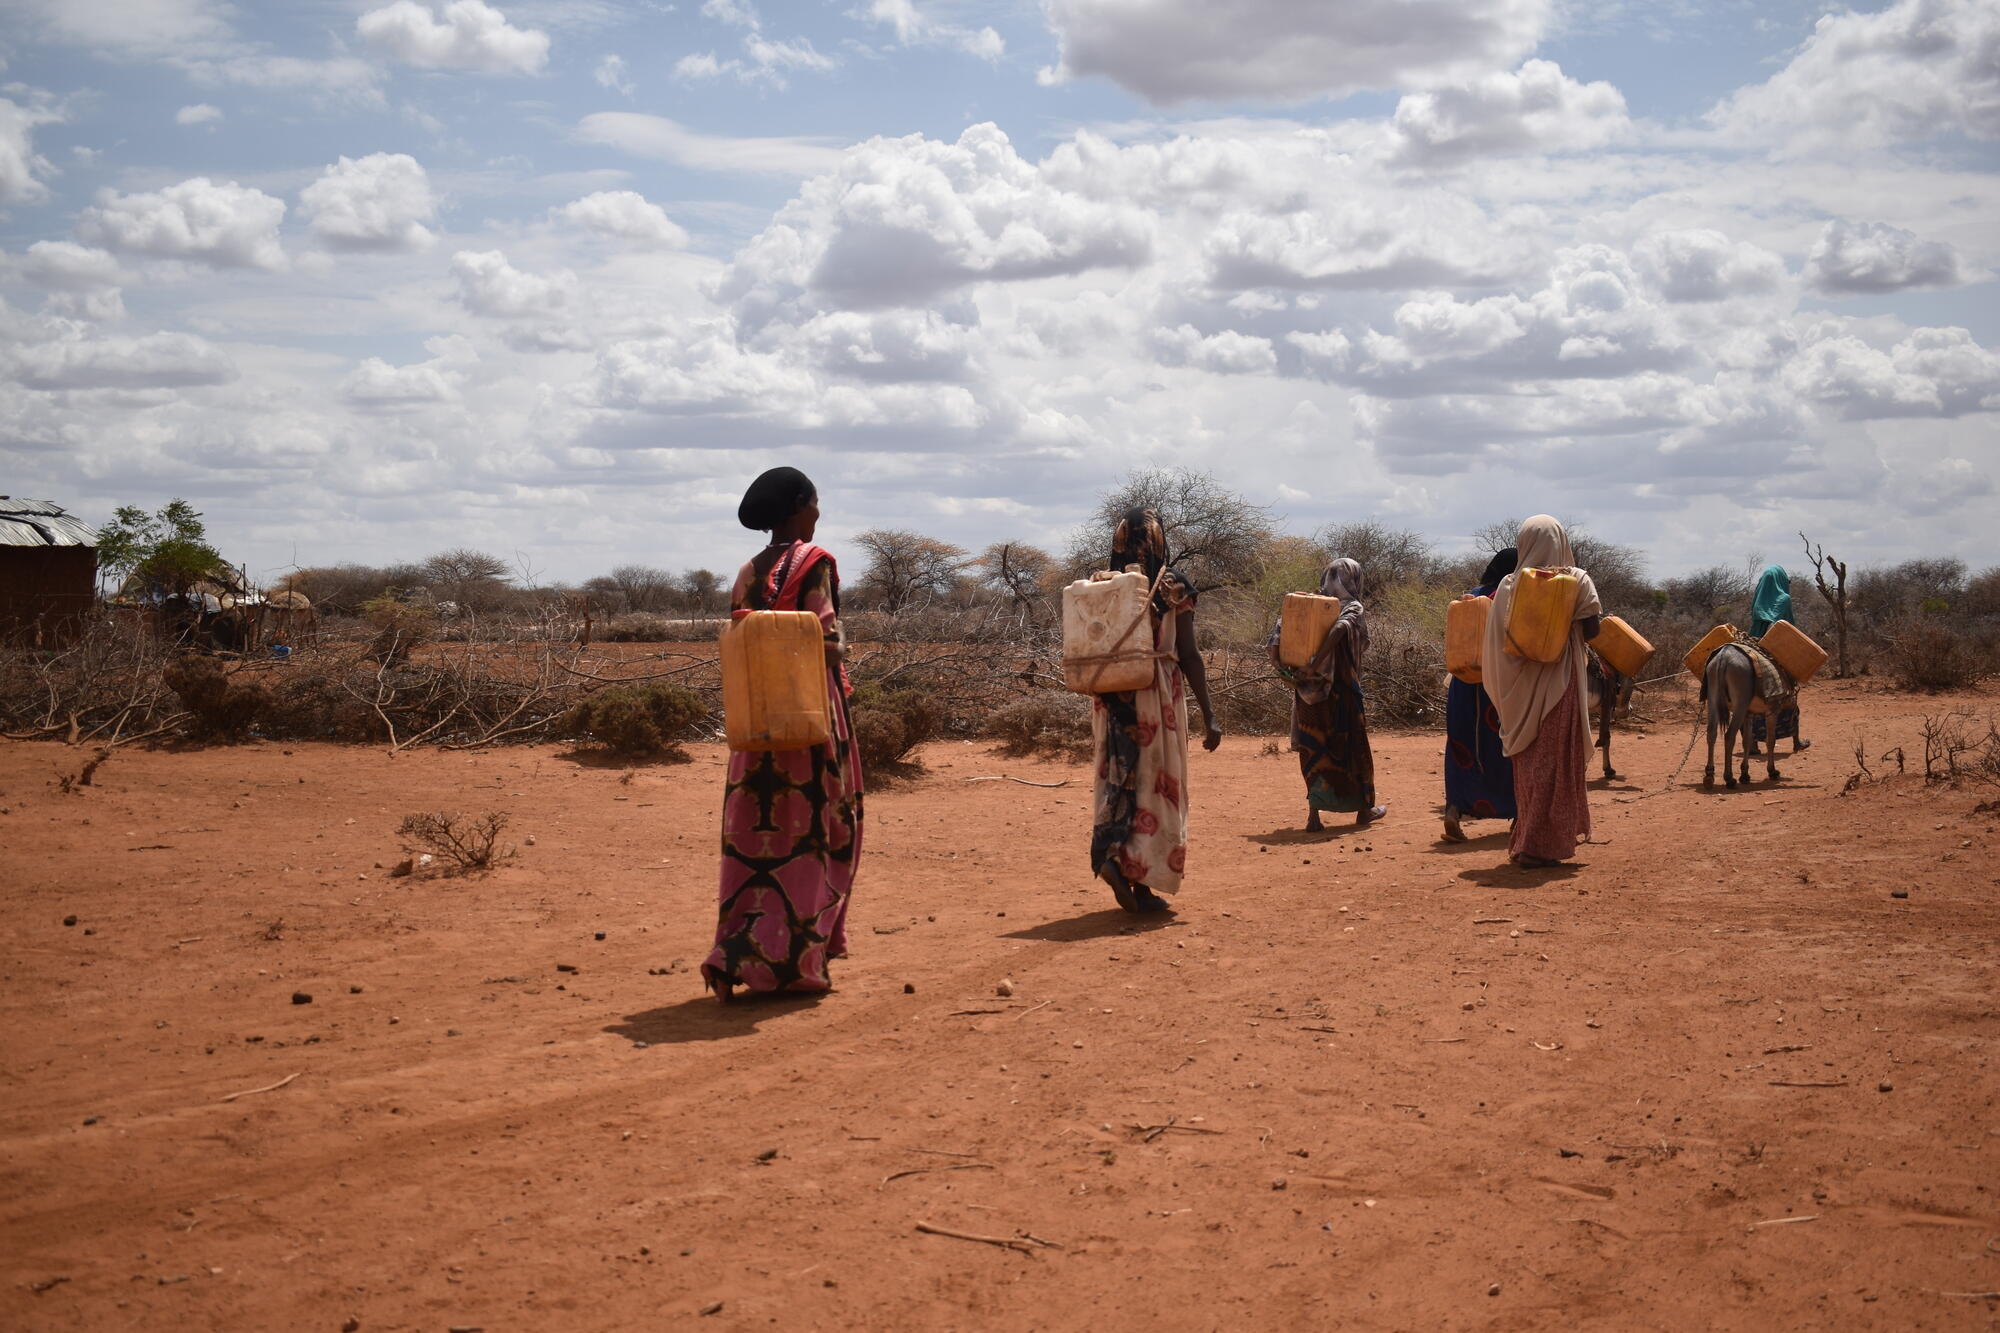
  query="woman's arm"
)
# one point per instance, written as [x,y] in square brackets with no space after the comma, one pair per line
[819,596]
[1591,625]
[1192,667]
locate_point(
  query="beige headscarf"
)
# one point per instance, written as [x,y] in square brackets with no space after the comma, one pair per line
[1525,692]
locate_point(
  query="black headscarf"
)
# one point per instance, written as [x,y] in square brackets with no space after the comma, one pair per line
[774,497]
[1139,539]
[1499,567]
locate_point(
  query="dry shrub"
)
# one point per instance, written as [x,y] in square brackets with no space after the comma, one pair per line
[399,628]
[639,719]
[1049,723]
[891,722]
[645,627]
[468,843]
[223,708]
[1930,653]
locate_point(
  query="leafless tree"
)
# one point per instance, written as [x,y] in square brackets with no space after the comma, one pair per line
[701,587]
[1017,571]
[1618,571]
[643,587]
[1214,535]
[1388,556]
[1716,590]
[475,580]
[904,566]
[1835,595]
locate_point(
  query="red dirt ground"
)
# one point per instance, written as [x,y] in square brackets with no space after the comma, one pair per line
[1714,1077]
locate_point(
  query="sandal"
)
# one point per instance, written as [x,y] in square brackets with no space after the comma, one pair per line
[1453,830]
[1146,901]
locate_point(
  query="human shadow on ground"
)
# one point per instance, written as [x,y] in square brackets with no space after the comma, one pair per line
[589,756]
[1496,841]
[705,1018]
[1298,837]
[1616,782]
[1507,875]
[1092,925]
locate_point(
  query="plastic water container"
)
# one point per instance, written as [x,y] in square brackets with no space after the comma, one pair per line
[1697,657]
[1465,637]
[281,651]
[1791,649]
[1303,624]
[774,690]
[1108,634]
[1623,648]
[1541,613]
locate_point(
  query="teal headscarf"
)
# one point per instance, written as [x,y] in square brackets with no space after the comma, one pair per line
[1772,601]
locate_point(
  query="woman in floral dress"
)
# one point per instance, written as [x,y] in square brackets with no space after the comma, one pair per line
[1138,842]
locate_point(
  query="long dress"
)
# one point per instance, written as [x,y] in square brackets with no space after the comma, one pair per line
[1139,815]
[1330,727]
[1551,781]
[791,819]
[1787,725]
[1478,776]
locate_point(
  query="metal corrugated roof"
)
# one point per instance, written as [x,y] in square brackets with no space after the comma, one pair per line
[39,523]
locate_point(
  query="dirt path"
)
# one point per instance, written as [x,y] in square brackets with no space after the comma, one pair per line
[1716,1077]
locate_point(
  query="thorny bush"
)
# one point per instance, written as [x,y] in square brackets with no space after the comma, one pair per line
[650,719]
[467,842]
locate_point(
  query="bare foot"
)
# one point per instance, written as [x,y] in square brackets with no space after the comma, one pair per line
[1453,830]
[1312,822]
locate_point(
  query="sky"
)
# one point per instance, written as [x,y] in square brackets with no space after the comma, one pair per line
[556,278]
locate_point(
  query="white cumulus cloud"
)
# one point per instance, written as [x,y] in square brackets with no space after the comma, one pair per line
[1916,69]
[669,141]
[903,221]
[201,113]
[1537,109]
[219,223]
[154,361]
[1170,51]
[21,167]
[467,34]
[1859,257]
[489,285]
[374,203]
[627,215]
[1702,264]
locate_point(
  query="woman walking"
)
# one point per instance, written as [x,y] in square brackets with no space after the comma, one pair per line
[791,819]
[1138,842]
[1541,706]
[1329,714]
[1478,777]
[1771,603]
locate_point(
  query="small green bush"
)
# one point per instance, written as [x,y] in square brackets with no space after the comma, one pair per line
[639,719]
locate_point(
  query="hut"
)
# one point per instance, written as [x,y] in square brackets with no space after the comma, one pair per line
[48,571]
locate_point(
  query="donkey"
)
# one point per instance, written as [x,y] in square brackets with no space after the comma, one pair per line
[1730,682]
[1609,693]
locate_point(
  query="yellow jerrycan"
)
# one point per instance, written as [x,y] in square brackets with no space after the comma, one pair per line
[774,682]
[1543,609]
[1108,634]
[1303,624]
[1697,657]
[1622,647]
[1465,637]
[1791,649]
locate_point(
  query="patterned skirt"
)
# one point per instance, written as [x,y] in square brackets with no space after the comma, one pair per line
[1478,777]
[1550,785]
[1139,817]
[791,837]
[1331,738]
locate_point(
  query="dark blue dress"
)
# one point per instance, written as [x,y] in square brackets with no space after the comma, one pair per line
[1478,776]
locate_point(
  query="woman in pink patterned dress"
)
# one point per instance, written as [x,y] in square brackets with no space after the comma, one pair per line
[791,819]
[1138,844]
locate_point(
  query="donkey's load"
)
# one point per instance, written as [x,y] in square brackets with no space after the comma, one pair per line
[774,681]
[1697,657]
[1623,648]
[1791,649]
